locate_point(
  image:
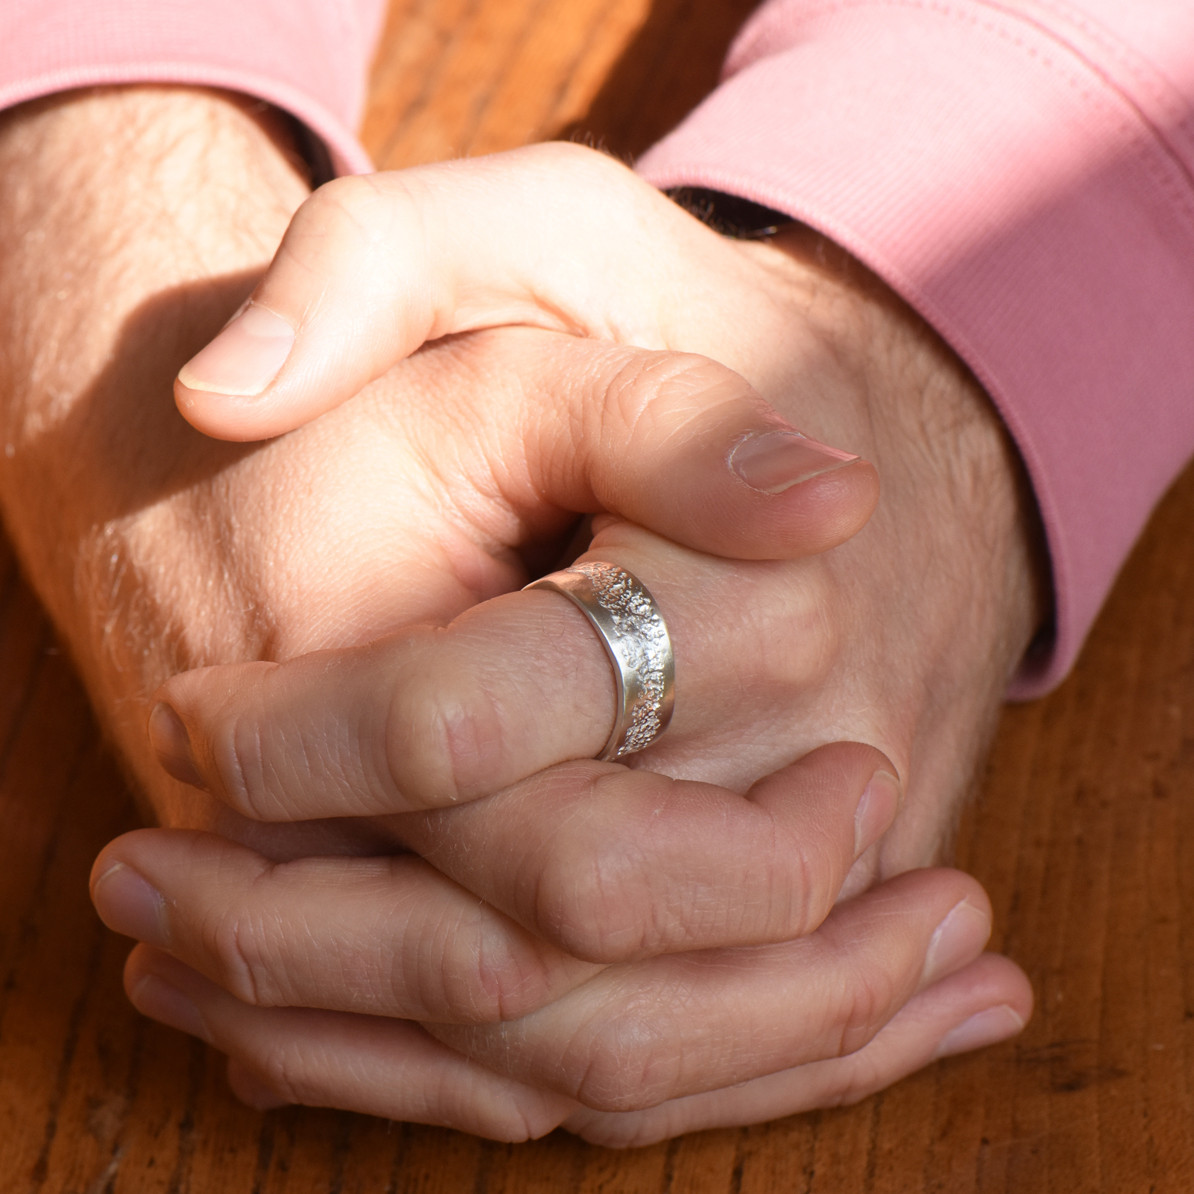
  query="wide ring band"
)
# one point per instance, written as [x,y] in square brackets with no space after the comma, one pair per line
[628,622]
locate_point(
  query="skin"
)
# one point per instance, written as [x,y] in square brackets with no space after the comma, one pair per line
[954,529]
[157,549]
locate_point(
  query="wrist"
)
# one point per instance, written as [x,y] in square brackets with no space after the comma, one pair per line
[948,583]
[935,433]
[132,223]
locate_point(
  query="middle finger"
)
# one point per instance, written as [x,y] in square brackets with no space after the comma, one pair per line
[600,863]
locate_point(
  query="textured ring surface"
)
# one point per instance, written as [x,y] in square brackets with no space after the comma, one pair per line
[624,614]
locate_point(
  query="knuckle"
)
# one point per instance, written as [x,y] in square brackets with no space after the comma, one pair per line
[242,770]
[284,1070]
[236,942]
[807,890]
[355,205]
[863,1077]
[514,1123]
[799,651]
[866,1006]
[355,219]
[647,387]
[519,1115]
[627,1130]
[498,982]
[624,1063]
[823,630]
[569,901]
[461,967]
[590,901]
[610,894]
[442,742]
[806,868]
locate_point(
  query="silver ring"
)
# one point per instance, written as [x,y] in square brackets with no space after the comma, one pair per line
[631,628]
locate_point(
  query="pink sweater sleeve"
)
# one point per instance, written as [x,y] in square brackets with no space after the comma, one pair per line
[309,57]
[1021,172]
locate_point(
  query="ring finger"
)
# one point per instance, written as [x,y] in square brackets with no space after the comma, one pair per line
[434,716]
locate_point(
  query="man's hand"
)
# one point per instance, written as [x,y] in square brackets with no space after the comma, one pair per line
[156,549]
[133,222]
[825,341]
[905,637]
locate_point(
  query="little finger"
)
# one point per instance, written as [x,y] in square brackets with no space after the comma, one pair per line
[384,1067]
[986,1002]
[637,1035]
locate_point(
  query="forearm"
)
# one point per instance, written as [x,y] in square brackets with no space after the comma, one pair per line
[1016,171]
[132,223]
[307,57]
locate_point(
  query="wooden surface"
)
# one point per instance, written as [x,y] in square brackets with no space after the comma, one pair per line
[1082,833]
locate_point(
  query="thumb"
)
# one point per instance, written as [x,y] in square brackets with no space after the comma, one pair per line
[373,267]
[673,442]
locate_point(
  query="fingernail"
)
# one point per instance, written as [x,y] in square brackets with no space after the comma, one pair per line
[160,1000]
[128,903]
[170,740]
[244,358]
[956,940]
[987,1027]
[876,810]
[772,461]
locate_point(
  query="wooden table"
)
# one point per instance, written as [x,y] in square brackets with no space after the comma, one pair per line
[1081,834]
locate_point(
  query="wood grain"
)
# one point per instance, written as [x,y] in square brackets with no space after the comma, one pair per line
[1083,832]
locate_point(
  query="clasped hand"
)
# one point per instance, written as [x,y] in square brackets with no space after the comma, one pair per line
[422,901]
